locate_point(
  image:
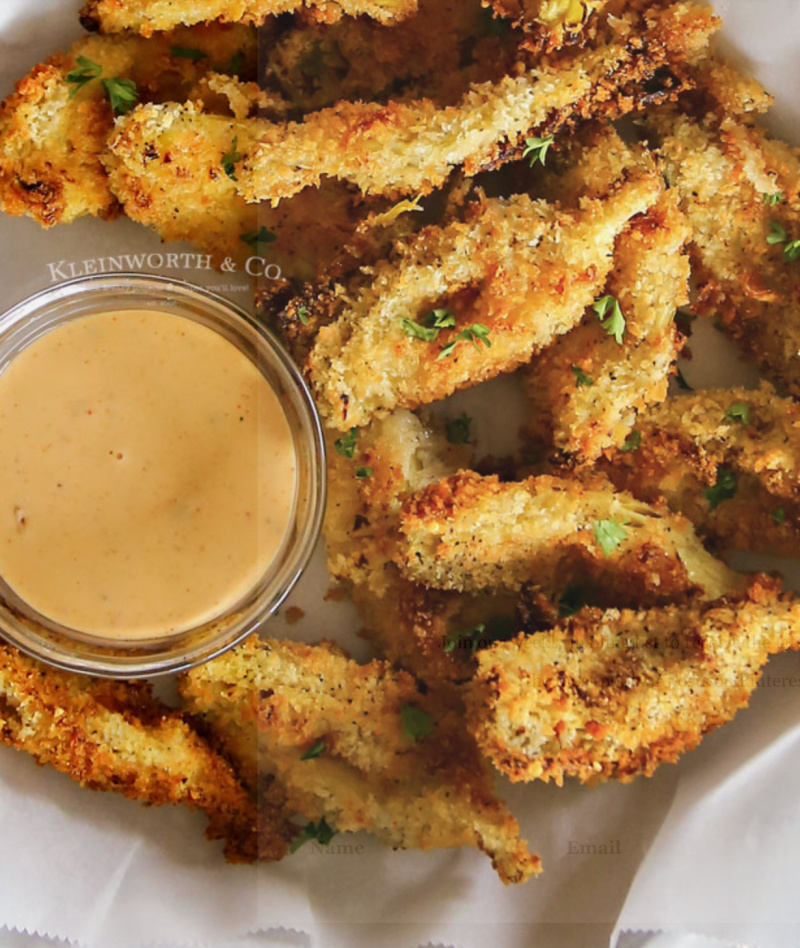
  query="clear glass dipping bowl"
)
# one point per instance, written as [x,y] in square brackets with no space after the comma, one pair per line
[77,651]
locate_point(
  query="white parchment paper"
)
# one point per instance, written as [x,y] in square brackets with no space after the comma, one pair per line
[726,822]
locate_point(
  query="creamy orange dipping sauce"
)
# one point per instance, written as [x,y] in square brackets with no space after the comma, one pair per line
[147,474]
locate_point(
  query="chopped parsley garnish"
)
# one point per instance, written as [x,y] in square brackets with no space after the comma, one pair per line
[581,378]
[86,72]
[631,443]
[122,94]
[346,445]
[302,314]
[229,160]
[318,832]
[428,330]
[537,148]
[416,722]
[362,473]
[739,412]
[777,235]
[779,515]
[458,430]
[724,489]
[571,602]
[609,534]
[683,385]
[476,334]
[772,199]
[609,312]
[236,66]
[185,52]
[259,237]
[418,331]
[316,751]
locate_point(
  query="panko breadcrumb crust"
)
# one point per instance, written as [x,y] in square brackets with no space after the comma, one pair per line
[612,695]
[381,153]
[116,736]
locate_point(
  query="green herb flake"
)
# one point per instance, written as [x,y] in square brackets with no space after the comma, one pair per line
[122,94]
[185,52]
[476,334]
[229,160]
[609,312]
[772,199]
[724,489]
[458,430]
[683,385]
[302,314]
[316,751]
[418,331]
[429,328]
[86,72]
[346,445]
[258,238]
[779,515]
[536,149]
[571,602]
[631,443]
[739,412]
[609,534]
[777,233]
[318,832]
[416,722]
[581,378]
[792,251]
[362,473]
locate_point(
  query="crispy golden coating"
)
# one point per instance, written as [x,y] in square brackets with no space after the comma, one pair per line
[553,22]
[523,292]
[754,436]
[148,16]
[722,167]
[475,533]
[407,148]
[406,623]
[615,694]
[53,134]
[172,178]
[280,700]
[116,736]
[587,389]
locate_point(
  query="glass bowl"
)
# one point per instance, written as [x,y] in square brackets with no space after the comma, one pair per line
[116,657]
